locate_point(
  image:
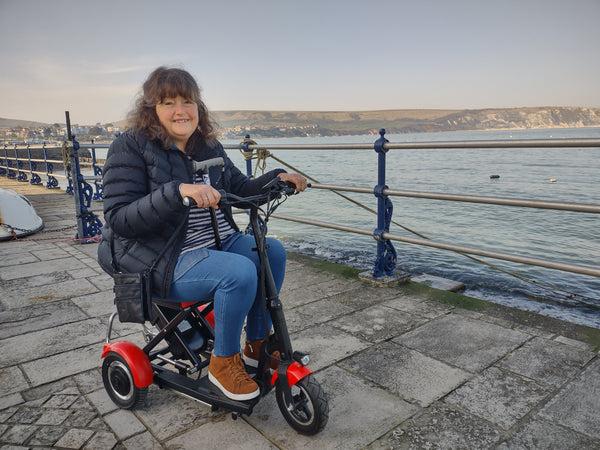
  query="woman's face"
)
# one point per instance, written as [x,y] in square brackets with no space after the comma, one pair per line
[179,117]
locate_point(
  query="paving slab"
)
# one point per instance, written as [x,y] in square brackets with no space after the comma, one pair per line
[466,343]
[418,307]
[546,361]
[363,296]
[222,433]
[25,320]
[159,411]
[124,423]
[12,381]
[541,435]
[576,405]
[22,297]
[499,396]
[327,345]
[313,313]
[378,323]
[411,375]
[440,426]
[61,365]
[38,268]
[50,341]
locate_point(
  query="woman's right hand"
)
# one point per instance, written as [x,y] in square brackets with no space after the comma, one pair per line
[204,195]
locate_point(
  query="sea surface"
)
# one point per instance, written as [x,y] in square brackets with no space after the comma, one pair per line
[523,173]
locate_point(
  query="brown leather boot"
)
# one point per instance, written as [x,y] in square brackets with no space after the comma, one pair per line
[252,353]
[229,375]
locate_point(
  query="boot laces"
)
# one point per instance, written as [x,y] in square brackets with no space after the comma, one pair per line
[238,373]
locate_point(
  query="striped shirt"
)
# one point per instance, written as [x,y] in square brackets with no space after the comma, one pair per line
[200,233]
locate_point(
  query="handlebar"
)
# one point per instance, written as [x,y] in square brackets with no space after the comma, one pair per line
[272,190]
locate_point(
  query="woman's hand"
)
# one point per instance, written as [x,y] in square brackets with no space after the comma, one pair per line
[203,194]
[298,180]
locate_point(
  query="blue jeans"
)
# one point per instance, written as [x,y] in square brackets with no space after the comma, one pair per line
[230,277]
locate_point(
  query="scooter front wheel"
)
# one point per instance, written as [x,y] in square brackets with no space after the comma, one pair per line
[118,382]
[308,411]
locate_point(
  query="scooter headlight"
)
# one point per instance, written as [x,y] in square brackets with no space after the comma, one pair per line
[301,357]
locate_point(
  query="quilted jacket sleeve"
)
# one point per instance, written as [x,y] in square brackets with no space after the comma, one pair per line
[135,204]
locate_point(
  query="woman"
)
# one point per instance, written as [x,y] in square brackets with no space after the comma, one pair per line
[148,171]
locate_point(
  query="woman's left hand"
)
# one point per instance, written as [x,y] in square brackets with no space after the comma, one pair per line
[298,180]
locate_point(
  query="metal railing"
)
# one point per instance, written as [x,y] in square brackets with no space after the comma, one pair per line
[17,160]
[385,261]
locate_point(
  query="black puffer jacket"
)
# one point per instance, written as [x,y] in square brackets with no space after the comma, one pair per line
[143,207]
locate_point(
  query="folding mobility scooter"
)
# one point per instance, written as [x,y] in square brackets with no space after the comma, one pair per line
[177,353]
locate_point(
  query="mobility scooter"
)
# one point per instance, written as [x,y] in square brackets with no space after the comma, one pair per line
[177,353]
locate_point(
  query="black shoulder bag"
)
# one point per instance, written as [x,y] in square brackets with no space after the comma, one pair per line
[133,291]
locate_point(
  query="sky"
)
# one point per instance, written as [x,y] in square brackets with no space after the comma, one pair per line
[91,57]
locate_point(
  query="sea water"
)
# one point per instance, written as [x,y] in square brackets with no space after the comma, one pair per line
[551,174]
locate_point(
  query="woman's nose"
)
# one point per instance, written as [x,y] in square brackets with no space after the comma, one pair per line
[178,108]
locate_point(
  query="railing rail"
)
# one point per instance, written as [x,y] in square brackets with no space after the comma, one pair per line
[573,268]
[495,143]
[539,204]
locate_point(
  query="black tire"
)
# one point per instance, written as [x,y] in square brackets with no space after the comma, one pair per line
[118,382]
[309,410]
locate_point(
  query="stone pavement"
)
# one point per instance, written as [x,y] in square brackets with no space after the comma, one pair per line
[403,367]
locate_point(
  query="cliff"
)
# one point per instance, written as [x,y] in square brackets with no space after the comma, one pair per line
[235,124]
[319,123]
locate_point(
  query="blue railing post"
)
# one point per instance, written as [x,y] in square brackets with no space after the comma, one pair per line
[248,154]
[51,181]
[34,178]
[4,167]
[21,175]
[99,192]
[385,262]
[88,225]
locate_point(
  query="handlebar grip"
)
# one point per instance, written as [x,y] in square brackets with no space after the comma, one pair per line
[189,201]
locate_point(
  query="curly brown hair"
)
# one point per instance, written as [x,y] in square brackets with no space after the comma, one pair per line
[163,83]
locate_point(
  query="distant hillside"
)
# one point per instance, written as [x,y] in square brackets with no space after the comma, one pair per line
[14,123]
[276,123]
[235,124]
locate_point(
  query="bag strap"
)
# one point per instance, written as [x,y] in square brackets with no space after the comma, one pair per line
[167,245]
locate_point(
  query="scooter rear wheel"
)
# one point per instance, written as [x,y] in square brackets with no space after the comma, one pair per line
[118,382]
[308,411]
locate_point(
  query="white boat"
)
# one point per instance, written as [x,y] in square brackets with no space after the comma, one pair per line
[18,217]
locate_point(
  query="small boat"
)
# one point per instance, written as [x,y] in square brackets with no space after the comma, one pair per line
[18,217]
[494,177]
